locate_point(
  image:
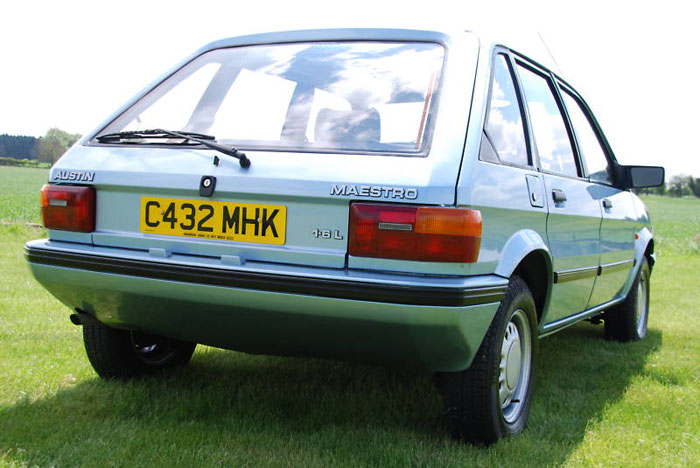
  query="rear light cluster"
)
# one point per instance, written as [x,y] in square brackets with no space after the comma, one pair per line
[68,207]
[420,233]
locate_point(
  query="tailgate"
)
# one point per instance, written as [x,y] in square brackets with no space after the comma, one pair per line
[286,208]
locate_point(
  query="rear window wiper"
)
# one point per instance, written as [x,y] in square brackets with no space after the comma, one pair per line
[207,140]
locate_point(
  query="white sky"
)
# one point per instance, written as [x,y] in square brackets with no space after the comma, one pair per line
[70,64]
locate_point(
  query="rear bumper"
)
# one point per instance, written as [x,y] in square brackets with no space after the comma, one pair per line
[437,322]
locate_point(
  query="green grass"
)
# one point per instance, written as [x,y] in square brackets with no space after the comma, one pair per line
[597,403]
[19,196]
[677,224]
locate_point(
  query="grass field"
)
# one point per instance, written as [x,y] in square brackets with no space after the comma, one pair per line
[19,196]
[597,403]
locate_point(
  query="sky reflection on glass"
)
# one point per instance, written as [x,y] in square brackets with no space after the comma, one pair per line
[349,95]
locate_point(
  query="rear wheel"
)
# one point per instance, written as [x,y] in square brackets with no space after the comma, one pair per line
[628,320]
[117,353]
[492,398]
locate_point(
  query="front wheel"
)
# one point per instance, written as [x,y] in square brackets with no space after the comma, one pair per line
[116,353]
[628,320]
[492,398]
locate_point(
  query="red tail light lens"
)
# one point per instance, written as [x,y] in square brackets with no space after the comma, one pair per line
[68,208]
[421,233]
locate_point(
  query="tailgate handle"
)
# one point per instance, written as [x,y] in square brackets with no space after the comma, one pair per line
[558,195]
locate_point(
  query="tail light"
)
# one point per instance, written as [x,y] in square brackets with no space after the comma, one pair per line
[421,233]
[68,207]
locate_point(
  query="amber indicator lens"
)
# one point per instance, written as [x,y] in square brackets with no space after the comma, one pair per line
[422,233]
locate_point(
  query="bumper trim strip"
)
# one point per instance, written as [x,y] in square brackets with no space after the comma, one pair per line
[342,289]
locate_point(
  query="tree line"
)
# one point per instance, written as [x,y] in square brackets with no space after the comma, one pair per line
[16,146]
[681,185]
[47,148]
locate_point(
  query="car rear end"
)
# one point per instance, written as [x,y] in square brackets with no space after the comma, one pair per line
[342,239]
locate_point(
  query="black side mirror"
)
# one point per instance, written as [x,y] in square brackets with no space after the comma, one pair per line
[640,176]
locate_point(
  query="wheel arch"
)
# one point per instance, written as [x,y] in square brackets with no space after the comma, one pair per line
[649,253]
[643,247]
[527,255]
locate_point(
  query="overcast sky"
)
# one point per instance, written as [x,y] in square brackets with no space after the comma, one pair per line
[70,64]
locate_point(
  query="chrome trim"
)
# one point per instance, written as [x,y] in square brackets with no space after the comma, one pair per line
[395,226]
[610,267]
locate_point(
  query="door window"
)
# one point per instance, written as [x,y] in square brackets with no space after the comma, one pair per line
[552,139]
[592,153]
[504,127]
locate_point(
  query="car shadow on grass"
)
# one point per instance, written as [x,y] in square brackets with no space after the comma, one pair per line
[233,409]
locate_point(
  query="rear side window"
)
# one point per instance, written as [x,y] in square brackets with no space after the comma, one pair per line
[592,152]
[548,128]
[504,127]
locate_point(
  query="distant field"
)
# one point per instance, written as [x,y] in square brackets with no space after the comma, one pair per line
[597,403]
[677,223]
[19,196]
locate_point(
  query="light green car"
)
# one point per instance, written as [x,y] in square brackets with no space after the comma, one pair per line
[412,198]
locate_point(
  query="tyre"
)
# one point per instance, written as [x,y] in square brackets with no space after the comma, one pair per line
[492,398]
[628,320]
[124,354]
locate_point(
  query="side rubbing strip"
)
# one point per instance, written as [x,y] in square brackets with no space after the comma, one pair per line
[617,266]
[576,274]
[580,273]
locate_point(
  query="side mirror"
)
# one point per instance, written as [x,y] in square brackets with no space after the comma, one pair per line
[640,176]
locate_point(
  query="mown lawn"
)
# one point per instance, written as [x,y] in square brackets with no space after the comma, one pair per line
[19,194]
[597,403]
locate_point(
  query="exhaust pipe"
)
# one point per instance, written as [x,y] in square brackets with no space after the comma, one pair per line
[81,318]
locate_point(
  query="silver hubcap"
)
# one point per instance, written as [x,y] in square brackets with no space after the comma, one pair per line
[642,309]
[514,367]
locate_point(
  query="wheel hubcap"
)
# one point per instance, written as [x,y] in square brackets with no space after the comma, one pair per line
[514,367]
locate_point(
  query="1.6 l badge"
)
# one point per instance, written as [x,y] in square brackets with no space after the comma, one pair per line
[327,234]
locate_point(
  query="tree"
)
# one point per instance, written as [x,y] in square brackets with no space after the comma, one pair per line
[694,185]
[660,190]
[51,146]
[679,185]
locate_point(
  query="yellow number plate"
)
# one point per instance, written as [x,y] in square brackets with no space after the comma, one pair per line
[240,222]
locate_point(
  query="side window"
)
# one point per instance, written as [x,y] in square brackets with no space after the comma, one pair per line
[504,127]
[592,153]
[548,127]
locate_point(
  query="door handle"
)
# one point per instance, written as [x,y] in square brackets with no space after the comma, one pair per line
[558,195]
[607,204]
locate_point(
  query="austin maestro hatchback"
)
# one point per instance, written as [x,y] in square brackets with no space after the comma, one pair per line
[403,197]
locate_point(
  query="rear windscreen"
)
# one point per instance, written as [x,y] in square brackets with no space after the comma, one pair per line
[335,96]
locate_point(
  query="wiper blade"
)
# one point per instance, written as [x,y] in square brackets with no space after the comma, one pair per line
[147,134]
[207,140]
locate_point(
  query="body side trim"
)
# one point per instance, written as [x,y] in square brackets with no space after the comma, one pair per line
[616,266]
[580,273]
[575,274]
